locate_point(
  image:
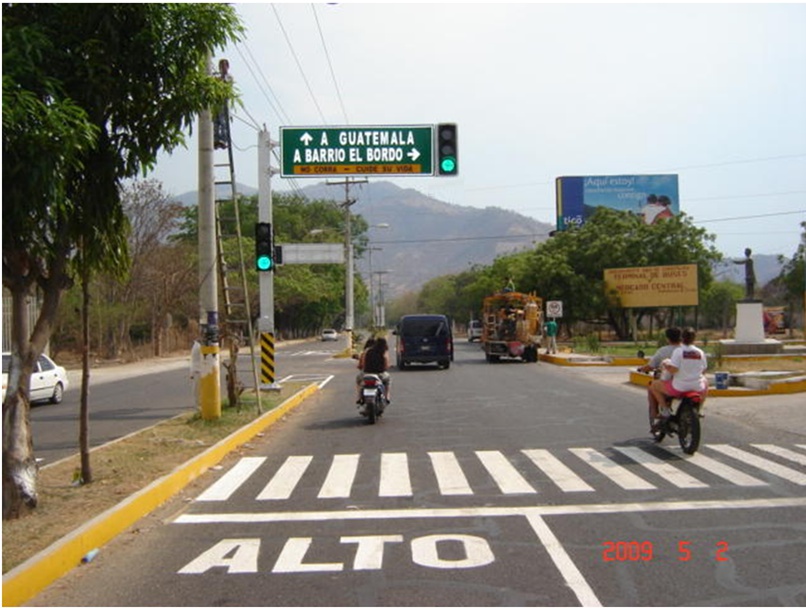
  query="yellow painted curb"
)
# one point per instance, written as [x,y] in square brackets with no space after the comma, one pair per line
[29,578]
[777,388]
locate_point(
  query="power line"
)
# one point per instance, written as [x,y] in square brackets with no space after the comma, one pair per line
[299,65]
[330,64]
[750,217]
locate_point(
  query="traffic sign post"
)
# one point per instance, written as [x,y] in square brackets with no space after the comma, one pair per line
[554,309]
[371,150]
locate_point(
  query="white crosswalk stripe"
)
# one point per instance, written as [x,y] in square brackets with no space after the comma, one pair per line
[613,471]
[340,478]
[286,479]
[450,477]
[720,469]
[668,471]
[567,470]
[504,473]
[762,463]
[565,478]
[782,452]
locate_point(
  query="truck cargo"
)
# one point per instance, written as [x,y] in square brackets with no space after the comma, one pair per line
[512,326]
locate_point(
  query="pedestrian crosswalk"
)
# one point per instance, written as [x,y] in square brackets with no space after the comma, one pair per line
[510,473]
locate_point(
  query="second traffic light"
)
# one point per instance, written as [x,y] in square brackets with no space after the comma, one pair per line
[447,150]
[264,248]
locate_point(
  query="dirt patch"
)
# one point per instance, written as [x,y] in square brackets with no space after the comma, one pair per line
[120,469]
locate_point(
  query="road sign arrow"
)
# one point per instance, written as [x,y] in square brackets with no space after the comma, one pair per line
[306,138]
[414,154]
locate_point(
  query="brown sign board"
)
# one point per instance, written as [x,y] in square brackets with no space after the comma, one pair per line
[652,286]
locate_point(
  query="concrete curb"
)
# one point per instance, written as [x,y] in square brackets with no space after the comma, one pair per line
[784,387]
[31,577]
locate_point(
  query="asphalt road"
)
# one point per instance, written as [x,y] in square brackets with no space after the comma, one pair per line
[507,484]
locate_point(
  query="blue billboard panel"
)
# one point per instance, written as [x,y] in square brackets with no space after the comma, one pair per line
[653,197]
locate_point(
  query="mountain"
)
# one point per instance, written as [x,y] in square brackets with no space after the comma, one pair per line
[426,237]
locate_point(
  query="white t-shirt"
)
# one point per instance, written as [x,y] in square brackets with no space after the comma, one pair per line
[691,365]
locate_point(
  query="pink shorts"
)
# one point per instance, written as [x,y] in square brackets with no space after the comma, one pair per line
[676,394]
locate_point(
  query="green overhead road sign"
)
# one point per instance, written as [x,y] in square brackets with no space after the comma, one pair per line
[371,150]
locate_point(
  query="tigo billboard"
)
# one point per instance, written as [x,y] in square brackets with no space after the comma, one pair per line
[654,197]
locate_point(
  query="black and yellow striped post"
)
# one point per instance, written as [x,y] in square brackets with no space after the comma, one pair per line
[267,375]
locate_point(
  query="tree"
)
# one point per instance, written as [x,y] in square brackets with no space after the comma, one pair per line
[84,107]
[793,276]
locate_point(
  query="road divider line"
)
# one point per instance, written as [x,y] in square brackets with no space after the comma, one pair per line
[252,518]
[573,577]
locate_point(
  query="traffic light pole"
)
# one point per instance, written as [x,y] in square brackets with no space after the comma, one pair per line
[266,278]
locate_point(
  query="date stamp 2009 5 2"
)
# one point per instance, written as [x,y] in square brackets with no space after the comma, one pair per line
[635,551]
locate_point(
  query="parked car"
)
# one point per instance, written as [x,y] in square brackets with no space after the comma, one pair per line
[424,339]
[48,380]
[329,335]
[474,330]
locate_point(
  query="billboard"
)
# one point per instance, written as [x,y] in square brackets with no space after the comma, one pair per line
[654,197]
[652,286]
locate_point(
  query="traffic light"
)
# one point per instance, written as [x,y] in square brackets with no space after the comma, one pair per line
[264,248]
[447,150]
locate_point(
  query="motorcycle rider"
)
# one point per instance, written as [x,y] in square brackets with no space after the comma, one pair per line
[673,337]
[687,367]
[376,361]
[361,358]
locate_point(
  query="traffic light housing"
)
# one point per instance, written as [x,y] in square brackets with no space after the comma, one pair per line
[264,248]
[447,150]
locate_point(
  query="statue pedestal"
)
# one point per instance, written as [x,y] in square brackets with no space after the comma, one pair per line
[750,332]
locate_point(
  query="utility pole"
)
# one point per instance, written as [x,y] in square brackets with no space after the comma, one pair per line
[210,370]
[349,314]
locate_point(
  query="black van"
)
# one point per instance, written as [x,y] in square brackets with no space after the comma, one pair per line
[424,339]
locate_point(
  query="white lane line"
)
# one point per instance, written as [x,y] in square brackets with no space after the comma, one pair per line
[761,463]
[666,470]
[340,477]
[782,452]
[450,477]
[232,479]
[615,472]
[573,577]
[720,469]
[395,480]
[504,474]
[541,510]
[560,474]
[286,478]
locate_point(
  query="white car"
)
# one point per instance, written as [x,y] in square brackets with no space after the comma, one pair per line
[48,380]
[330,335]
[474,330]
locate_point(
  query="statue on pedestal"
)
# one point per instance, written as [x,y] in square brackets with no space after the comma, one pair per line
[749,275]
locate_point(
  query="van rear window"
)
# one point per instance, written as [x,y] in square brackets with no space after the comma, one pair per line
[424,328]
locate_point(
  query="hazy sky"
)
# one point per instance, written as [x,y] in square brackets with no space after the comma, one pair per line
[714,93]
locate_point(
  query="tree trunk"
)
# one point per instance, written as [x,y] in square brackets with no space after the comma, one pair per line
[84,411]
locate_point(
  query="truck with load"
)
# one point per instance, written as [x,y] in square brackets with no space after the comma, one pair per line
[512,326]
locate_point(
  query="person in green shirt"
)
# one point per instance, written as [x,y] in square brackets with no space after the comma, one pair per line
[551,329]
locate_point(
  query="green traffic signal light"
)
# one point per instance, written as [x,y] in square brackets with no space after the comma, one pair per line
[264,247]
[447,149]
[263,262]
[447,165]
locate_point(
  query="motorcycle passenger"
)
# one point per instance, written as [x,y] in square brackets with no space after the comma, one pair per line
[361,358]
[687,367]
[376,361]
[673,336]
